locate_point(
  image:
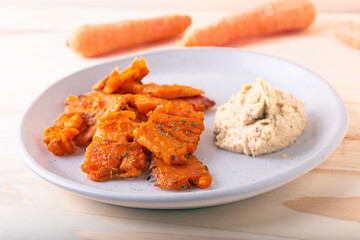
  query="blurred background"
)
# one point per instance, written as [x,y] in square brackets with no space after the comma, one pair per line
[321,5]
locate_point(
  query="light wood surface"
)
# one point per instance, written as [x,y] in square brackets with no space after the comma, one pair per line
[322,204]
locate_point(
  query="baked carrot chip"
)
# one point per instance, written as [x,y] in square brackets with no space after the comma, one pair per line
[146,103]
[193,172]
[113,152]
[181,123]
[151,136]
[91,106]
[115,81]
[58,140]
[59,136]
[172,132]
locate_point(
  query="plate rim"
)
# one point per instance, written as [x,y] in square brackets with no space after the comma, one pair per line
[201,198]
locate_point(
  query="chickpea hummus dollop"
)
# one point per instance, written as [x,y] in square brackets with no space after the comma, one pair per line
[259,120]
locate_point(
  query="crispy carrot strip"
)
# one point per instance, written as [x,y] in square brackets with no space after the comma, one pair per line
[101,83]
[146,103]
[115,81]
[171,91]
[269,18]
[199,103]
[132,87]
[349,33]
[98,39]
[180,176]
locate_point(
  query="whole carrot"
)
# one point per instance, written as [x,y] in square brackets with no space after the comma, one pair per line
[349,33]
[269,18]
[97,39]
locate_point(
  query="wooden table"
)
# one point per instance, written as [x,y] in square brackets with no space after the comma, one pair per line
[323,204]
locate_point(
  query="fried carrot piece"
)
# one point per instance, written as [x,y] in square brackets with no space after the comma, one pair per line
[160,143]
[132,87]
[181,123]
[172,132]
[146,103]
[115,81]
[349,33]
[78,122]
[98,39]
[129,81]
[269,18]
[113,152]
[170,91]
[59,136]
[199,103]
[180,176]
[91,106]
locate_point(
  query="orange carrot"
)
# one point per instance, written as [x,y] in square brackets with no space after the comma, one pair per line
[97,39]
[269,18]
[132,73]
[349,33]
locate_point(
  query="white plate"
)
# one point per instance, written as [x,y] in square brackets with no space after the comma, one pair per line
[220,72]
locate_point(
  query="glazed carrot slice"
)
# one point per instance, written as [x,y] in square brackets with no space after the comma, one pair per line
[171,91]
[349,33]
[269,18]
[180,176]
[98,39]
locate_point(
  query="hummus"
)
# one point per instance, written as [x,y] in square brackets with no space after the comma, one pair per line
[259,120]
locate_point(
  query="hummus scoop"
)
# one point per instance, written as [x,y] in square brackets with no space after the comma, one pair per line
[259,120]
